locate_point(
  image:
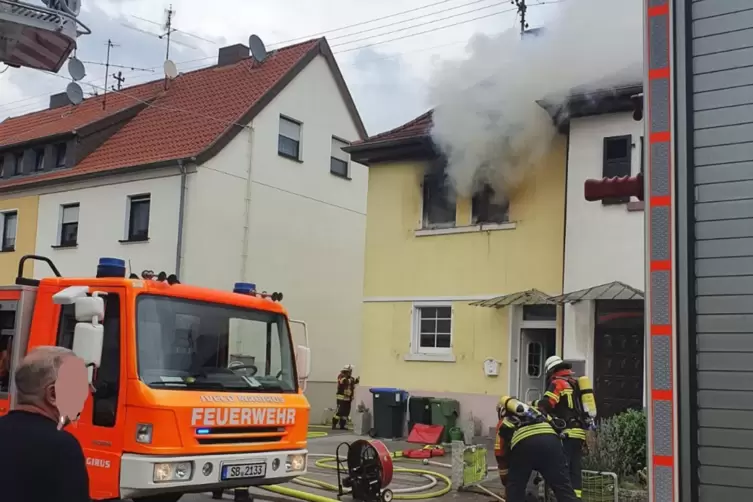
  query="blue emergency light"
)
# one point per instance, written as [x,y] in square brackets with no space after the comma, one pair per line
[111,267]
[202,431]
[244,288]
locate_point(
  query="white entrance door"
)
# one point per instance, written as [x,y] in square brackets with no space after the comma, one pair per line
[536,344]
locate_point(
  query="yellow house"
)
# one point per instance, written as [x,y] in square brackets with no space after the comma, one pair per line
[18,235]
[435,265]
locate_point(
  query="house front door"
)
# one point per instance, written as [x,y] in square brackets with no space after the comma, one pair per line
[536,345]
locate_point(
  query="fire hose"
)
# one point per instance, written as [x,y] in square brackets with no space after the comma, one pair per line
[327,462]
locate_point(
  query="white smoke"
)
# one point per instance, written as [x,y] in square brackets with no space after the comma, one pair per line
[487,121]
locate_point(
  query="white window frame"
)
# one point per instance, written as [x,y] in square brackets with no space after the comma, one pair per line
[286,118]
[2,228]
[126,230]
[418,353]
[63,207]
[342,153]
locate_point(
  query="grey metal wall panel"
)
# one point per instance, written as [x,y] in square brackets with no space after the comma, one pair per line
[733,190]
[717,117]
[727,210]
[739,304]
[725,400]
[719,61]
[720,380]
[724,342]
[725,361]
[730,476]
[728,419]
[727,323]
[704,9]
[725,457]
[726,438]
[723,42]
[714,493]
[724,248]
[739,285]
[742,152]
[726,229]
[722,24]
[727,135]
[724,97]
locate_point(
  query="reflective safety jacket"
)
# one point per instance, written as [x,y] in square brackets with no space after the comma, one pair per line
[346,386]
[511,432]
[562,401]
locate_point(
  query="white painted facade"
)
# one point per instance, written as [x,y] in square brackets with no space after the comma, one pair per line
[250,215]
[602,243]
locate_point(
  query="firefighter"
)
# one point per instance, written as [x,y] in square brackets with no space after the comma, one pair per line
[527,442]
[346,386]
[562,401]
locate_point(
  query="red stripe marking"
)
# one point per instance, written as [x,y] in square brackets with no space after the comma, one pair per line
[664,461]
[660,200]
[658,73]
[661,329]
[659,137]
[657,265]
[661,395]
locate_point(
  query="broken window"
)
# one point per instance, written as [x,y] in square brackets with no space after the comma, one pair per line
[487,208]
[438,200]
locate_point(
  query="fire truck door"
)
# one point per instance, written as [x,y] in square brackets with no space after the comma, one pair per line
[9,300]
[99,428]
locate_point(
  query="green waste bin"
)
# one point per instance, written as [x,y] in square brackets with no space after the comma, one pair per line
[419,411]
[389,412]
[445,412]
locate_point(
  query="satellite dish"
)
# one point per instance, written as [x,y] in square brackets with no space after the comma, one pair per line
[171,71]
[75,93]
[76,69]
[258,51]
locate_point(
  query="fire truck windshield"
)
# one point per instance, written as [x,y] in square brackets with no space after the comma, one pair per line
[186,344]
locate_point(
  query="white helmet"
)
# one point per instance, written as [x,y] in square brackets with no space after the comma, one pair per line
[552,362]
[348,367]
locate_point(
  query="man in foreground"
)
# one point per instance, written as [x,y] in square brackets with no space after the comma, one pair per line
[40,463]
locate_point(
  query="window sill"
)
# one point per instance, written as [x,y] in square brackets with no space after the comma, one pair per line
[133,241]
[435,358]
[289,157]
[485,227]
[341,176]
[8,250]
[64,246]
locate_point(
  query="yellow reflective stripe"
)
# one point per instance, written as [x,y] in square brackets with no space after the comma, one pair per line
[569,394]
[497,444]
[508,424]
[528,431]
[552,395]
[503,471]
[340,396]
[578,493]
[576,434]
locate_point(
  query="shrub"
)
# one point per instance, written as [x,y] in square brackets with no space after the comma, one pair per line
[618,445]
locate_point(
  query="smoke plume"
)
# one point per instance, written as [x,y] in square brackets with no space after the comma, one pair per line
[487,121]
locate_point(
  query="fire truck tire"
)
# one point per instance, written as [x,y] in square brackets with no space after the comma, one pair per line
[165,497]
[387,495]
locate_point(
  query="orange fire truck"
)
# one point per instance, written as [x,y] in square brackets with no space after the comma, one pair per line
[194,389]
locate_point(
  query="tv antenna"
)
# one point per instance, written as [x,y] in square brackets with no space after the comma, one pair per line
[522,8]
[166,31]
[110,46]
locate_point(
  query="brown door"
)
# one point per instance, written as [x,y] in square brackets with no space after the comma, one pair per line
[618,357]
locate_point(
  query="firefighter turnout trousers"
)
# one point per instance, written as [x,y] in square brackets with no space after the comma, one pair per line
[342,413]
[574,454]
[542,453]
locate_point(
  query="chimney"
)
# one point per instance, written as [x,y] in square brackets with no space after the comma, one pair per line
[232,54]
[59,100]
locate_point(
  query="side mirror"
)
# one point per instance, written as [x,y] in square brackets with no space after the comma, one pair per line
[88,335]
[303,362]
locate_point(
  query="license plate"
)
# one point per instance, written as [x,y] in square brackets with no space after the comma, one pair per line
[240,471]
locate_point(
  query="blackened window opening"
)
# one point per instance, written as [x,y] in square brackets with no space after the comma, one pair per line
[486,208]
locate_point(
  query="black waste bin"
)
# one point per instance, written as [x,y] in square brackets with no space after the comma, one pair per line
[419,411]
[389,412]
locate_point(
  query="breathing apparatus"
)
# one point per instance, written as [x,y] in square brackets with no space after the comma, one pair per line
[513,408]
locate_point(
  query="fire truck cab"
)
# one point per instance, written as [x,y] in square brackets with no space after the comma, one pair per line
[194,390]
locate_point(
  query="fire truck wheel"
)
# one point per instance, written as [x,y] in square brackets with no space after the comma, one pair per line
[387,495]
[165,497]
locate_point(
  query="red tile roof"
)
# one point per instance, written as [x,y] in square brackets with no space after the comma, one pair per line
[420,127]
[197,113]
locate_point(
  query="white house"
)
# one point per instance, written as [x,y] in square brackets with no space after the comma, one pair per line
[235,173]
[603,279]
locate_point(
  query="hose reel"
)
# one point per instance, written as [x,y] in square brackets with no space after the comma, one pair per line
[366,469]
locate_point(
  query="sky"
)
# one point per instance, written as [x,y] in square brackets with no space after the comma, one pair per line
[388,59]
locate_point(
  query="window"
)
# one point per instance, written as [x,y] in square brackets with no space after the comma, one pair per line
[10,220]
[138,217]
[2,166]
[535,354]
[107,382]
[339,159]
[617,157]
[289,140]
[61,151]
[7,330]
[433,328]
[542,312]
[39,159]
[18,164]
[69,225]
[487,208]
[438,201]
